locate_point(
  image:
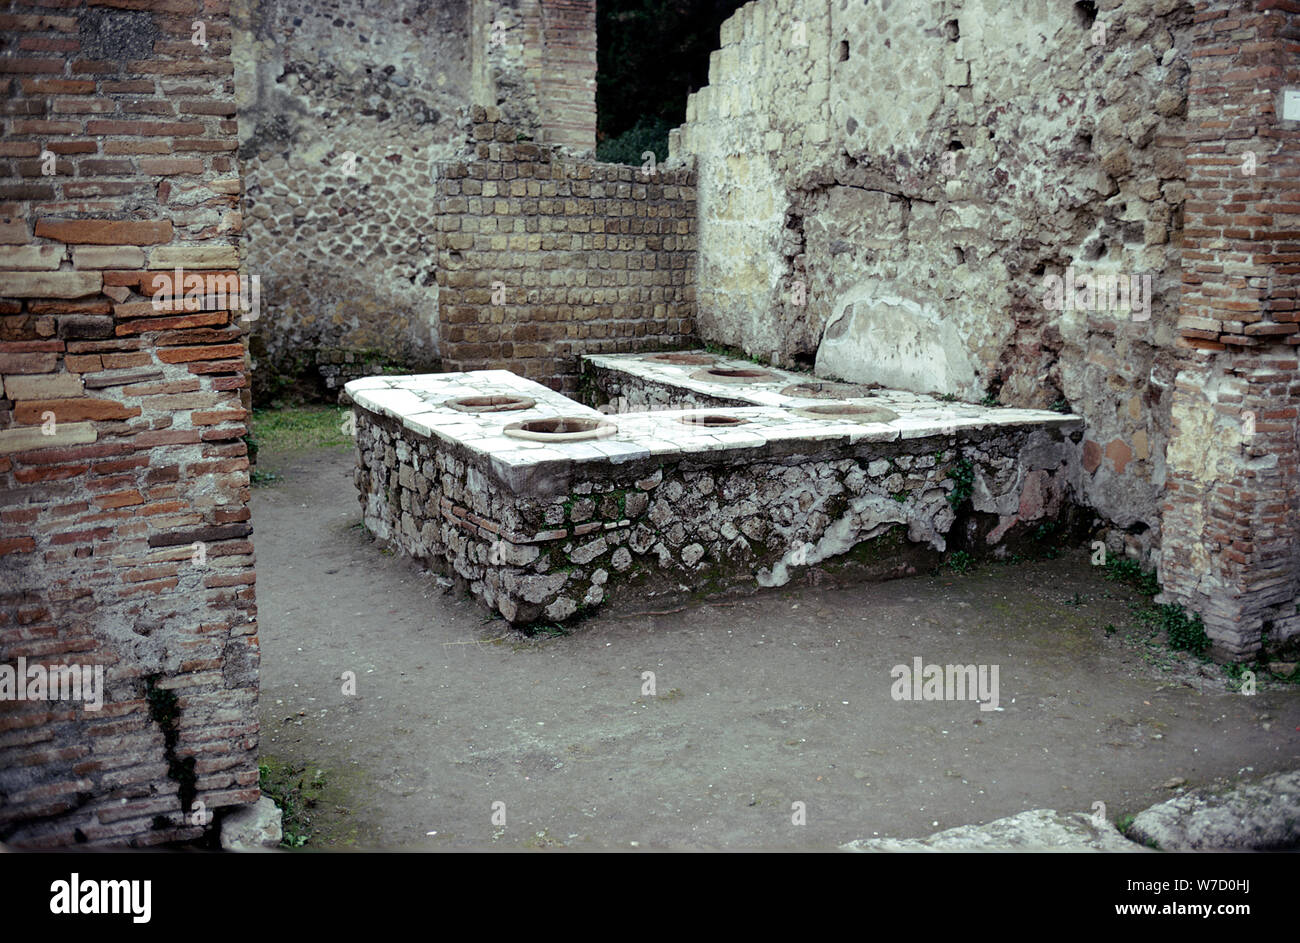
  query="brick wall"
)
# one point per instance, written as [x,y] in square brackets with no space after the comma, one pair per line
[543,257]
[124,520]
[1231,518]
[536,61]
[560,54]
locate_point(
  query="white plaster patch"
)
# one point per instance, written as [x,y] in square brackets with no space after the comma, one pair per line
[897,342]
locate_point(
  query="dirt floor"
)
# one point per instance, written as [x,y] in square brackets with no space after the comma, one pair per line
[780,698]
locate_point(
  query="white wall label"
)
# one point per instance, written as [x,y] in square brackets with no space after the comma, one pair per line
[1291,104]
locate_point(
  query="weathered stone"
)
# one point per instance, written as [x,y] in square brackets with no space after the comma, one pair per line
[589,551]
[254,827]
[1036,830]
[1260,816]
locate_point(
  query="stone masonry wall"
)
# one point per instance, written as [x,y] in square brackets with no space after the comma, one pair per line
[885,188]
[1232,511]
[343,107]
[705,522]
[542,257]
[124,520]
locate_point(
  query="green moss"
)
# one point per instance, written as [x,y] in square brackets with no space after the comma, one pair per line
[735,353]
[164,710]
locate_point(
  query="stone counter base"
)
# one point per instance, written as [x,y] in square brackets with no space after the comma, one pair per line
[664,510]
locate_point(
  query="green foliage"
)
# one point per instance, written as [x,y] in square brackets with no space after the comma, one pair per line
[732,353]
[959,561]
[990,399]
[1044,534]
[1062,405]
[651,54]
[1127,570]
[649,134]
[1184,632]
[296,793]
[1235,672]
[962,474]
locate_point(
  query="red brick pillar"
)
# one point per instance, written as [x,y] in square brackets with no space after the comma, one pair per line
[562,59]
[124,521]
[1231,525]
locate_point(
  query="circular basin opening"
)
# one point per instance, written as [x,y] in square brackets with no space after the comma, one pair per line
[735,375]
[560,429]
[491,404]
[685,360]
[827,389]
[850,411]
[712,420]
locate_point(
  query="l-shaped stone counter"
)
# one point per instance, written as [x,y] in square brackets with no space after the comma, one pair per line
[728,475]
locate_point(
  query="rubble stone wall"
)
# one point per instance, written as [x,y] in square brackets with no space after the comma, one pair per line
[343,108]
[706,522]
[885,188]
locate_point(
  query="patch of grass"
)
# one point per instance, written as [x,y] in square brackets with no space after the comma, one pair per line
[550,630]
[1062,405]
[296,790]
[297,428]
[990,399]
[1125,822]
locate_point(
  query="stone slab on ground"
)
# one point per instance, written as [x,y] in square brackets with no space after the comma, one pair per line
[254,827]
[1035,830]
[1260,816]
